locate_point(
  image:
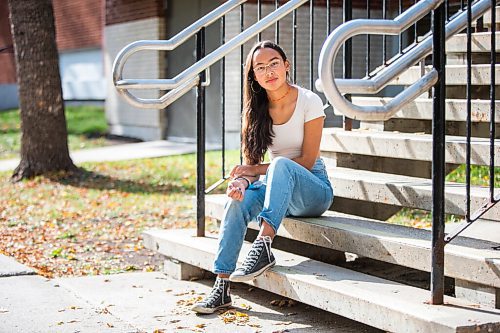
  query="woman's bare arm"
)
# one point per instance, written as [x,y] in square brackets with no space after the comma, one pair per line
[313,130]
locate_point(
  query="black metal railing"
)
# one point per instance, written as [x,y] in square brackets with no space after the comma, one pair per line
[439,239]
[375,55]
[438,157]
[307,79]
[471,217]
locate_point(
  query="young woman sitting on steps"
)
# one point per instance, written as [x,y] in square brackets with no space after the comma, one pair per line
[287,121]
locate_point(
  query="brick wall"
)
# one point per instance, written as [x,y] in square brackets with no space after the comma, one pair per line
[119,11]
[79,24]
[7,62]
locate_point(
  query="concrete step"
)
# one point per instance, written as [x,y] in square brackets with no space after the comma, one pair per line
[412,146]
[421,108]
[481,43]
[456,75]
[374,301]
[465,258]
[407,191]
[487,18]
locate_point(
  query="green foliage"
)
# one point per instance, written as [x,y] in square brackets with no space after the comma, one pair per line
[480,175]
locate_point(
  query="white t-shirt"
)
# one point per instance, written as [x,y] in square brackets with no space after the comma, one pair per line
[288,137]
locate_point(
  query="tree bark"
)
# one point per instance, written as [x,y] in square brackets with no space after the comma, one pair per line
[44,141]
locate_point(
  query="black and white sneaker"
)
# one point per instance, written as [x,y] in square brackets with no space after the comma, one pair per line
[257,261]
[219,298]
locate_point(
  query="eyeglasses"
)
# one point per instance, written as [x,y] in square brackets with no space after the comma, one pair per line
[261,69]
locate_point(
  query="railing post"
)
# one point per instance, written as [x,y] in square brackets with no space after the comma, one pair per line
[492,99]
[200,139]
[438,156]
[347,58]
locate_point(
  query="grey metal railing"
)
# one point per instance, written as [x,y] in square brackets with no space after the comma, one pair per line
[122,85]
[189,77]
[436,78]
[333,88]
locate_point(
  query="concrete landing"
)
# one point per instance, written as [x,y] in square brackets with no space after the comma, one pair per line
[154,301]
[148,302]
[37,305]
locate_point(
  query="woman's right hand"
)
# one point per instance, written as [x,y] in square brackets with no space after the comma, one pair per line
[236,190]
[243,170]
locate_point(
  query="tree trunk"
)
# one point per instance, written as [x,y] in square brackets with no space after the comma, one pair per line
[44,142]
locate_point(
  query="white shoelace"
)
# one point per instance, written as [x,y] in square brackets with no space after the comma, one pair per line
[255,251]
[216,291]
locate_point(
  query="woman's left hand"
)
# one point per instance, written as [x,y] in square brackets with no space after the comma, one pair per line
[243,170]
[236,190]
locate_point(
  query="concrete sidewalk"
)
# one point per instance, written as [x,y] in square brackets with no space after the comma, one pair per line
[120,152]
[145,302]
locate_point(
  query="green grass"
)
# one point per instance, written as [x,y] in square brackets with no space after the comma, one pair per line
[480,176]
[86,128]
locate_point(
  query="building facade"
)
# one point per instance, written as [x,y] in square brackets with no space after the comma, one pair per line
[79,32]
[91,33]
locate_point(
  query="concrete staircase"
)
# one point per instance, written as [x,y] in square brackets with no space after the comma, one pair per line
[377,170]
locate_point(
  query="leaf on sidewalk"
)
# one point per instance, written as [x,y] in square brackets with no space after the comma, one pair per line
[283,303]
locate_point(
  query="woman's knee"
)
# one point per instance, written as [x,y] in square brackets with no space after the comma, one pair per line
[281,164]
[235,211]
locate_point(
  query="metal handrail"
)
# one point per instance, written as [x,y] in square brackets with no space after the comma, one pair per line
[333,88]
[189,77]
[166,45]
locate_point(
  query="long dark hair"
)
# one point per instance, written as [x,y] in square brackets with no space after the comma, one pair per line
[257,132]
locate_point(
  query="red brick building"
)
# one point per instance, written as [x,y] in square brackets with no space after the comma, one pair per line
[79,32]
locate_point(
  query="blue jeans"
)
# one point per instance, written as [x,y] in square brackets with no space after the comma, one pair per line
[288,189]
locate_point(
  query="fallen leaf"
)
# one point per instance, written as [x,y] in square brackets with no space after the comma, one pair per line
[283,303]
